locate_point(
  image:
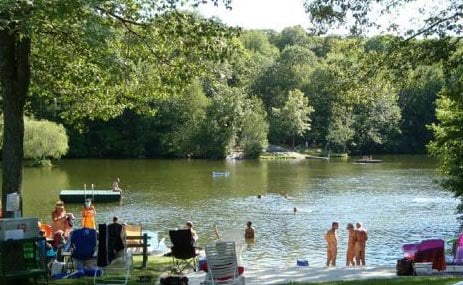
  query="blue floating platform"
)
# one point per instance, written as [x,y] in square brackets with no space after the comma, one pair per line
[302,262]
[220,173]
[97,196]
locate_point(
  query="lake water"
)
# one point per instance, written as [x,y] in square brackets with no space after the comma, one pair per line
[397,201]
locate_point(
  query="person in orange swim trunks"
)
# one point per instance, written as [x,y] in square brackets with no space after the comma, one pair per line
[331,238]
[361,237]
[350,254]
[88,215]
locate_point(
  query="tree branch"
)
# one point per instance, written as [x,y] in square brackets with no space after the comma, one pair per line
[120,18]
[433,25]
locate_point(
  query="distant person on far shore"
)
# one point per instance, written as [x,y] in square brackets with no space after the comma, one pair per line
[331,238]
[249,232]
[361,237]
[116,185]
[350,254]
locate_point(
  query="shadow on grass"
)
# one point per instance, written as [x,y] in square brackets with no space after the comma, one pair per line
[157,266]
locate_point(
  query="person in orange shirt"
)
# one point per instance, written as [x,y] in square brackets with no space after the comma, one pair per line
[88,215]
[350,255]
[331,238]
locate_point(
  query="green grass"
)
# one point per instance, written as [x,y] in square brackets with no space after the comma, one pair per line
[412,280]
[157,266]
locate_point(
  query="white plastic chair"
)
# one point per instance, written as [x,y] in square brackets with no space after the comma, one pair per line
[222,264]
[116,273]
[236,236]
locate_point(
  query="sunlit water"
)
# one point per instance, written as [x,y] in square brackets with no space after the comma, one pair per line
[397,201]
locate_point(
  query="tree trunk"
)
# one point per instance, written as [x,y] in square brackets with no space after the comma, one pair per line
[15,78]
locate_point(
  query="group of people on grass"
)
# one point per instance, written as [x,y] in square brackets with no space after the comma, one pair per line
[356,245]
[62,222]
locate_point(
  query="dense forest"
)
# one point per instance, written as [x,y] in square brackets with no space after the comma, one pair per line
[286,88]
[144,78]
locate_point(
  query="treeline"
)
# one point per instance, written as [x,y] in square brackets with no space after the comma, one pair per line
[351,95]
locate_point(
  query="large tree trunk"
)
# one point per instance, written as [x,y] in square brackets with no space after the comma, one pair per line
[15,79]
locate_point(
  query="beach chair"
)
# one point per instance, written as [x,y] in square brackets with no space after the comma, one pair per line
[431,250]
[133,230]
[183,250]
[458,257]
[116,273]
[47,255]
[236,236]
[83,246]
[222,264]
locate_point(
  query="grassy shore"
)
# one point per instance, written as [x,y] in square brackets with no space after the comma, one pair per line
[157,266]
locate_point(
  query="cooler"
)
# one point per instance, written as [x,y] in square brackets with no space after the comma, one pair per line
[19,228]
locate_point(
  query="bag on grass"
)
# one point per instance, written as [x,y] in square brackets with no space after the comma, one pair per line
[174,280]
[405,267]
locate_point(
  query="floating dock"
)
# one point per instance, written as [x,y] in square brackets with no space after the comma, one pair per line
[317,157]
[97,196]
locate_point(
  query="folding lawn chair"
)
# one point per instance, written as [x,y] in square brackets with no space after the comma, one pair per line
[183,250]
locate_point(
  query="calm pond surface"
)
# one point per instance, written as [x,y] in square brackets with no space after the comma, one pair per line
[397,201]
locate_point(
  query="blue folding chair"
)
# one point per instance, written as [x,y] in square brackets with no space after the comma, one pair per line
[83,245]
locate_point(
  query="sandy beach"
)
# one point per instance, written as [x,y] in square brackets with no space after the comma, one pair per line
[281,275]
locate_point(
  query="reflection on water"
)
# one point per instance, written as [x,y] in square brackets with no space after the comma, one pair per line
[397,201]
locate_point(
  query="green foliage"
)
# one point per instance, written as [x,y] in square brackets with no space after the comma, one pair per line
[254,128]
[219,129]
[448,133]
[340,130]
[356,16]
[129,83]
[422,83]
[44,140]
[293,118]
[291,70]
[293,36]
[186,115]
[127,69]
[416,99]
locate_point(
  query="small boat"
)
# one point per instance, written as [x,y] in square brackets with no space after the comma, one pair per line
[317,157]
[97,196]
[368,160]
[220,173]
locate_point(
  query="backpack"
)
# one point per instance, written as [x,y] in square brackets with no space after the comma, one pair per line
[405,267]
[174,280]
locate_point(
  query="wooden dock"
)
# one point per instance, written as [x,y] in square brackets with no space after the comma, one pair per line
[97,196]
